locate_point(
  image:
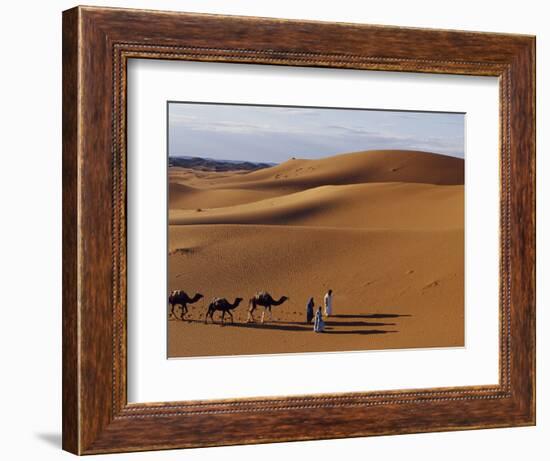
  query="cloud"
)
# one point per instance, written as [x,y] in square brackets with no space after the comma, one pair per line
[175,118]
[197,124]
[274,133]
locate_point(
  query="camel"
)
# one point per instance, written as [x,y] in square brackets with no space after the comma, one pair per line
[265,300]
[180,297]
[223,305]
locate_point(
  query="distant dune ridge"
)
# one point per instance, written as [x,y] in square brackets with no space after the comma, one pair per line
[383,229]
[361,167]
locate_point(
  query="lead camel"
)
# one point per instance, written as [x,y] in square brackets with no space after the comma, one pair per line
[265,300]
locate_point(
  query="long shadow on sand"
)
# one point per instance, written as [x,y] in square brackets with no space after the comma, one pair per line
[331,323]
[272,326]
[358,332]
[295,326]
[369,316]
[331,326]
[288,326]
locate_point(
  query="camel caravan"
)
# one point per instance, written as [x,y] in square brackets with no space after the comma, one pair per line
[262,299]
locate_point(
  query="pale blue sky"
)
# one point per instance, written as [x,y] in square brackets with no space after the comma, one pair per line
[275,133]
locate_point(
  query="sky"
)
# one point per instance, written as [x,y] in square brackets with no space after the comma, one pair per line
[277,133]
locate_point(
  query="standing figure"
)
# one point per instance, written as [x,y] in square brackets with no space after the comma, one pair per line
[328,303]
[319,324]
[309,310]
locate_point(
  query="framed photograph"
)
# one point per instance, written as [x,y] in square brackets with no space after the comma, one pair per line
[281,230]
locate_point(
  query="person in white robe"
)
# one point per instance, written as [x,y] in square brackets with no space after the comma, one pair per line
[328,303]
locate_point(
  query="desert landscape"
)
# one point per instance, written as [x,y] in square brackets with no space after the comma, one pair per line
[384,229]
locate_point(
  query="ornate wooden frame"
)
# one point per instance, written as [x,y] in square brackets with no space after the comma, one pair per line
[97,43]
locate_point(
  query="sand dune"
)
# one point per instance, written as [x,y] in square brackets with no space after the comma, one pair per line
[190,189]
[383,229]
[378,205]
[356,168]
[192,198]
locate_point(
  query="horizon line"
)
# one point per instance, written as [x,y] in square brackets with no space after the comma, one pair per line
[294,157]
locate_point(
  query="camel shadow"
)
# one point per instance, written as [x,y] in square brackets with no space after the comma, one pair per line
[332,324]
[272,326]
[286,326]
[185,320]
